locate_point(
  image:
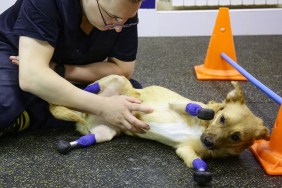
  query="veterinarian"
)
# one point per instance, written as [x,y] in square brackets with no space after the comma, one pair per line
[55,43]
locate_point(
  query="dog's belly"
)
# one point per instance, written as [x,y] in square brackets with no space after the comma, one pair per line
[167,125]
[173,134]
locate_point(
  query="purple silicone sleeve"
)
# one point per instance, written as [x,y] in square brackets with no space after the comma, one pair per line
[93,88]
[86,140]
[193,109]
[199,164]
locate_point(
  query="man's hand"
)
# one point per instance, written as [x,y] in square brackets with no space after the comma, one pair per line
[117,110]
[15,60]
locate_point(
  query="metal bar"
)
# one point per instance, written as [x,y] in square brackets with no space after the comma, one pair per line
[252,79]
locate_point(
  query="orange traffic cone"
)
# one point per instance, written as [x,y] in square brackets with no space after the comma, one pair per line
[215,68]
[269,153]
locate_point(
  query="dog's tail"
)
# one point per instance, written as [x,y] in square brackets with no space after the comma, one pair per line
[64,113]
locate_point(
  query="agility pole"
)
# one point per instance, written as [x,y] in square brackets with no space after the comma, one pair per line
[252,79]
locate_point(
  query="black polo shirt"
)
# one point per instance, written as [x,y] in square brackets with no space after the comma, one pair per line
[58,23]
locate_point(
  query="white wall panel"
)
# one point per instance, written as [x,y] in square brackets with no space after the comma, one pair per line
[177,3]
[212,2]
[224,2]
[248,2]
[201,22]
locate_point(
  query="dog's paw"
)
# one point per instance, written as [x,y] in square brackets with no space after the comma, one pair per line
[202,177]
[206,114]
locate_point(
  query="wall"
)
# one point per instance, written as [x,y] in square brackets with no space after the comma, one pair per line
[196,22]
[200,22]
[4,4]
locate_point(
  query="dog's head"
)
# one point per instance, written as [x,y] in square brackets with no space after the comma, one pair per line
[235,127]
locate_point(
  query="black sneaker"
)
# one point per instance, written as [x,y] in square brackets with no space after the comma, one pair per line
[22,123]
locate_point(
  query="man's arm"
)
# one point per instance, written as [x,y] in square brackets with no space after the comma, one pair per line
[92,72]
[36,77]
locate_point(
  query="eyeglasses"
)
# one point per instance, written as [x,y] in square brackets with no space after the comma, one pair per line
[117,24]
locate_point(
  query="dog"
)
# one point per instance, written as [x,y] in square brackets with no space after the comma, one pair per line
[233,129]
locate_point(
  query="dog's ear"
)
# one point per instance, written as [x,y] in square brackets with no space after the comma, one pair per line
[262,134]
[63,113]
[215,106]
[236,95]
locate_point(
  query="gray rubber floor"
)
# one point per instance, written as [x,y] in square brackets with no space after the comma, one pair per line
[30,159]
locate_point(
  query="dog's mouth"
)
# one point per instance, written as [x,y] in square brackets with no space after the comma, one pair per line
[208,142]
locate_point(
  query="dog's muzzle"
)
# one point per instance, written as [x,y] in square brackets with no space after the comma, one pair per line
[208,142]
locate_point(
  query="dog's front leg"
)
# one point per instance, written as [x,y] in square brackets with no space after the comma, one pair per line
[187,154]
[191,159]
[193,109]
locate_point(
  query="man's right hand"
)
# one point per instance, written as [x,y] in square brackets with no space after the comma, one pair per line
[117,110]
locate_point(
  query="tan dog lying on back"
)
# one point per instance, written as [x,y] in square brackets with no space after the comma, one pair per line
[233,129]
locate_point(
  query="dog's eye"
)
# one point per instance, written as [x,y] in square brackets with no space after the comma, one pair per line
[222,120]
[235,137]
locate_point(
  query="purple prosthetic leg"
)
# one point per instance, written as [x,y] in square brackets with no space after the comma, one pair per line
[93,88]
[64,147]
[201,176]
[202,113]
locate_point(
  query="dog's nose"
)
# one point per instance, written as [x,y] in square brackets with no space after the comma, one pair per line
[208,142]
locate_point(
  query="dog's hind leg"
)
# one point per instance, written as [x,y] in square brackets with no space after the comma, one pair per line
[110,85]
[98,134]
[104,133]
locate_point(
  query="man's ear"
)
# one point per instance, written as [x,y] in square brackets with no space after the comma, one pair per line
[236,95]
